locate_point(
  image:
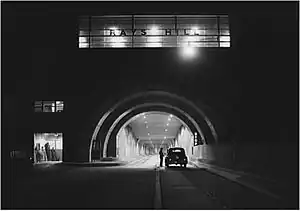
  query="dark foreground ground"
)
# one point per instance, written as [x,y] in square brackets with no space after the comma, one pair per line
[132,186]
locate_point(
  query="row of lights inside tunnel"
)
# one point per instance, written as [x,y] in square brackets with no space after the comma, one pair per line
[166,129]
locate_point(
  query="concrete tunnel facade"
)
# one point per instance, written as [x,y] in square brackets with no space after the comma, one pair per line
[151,101]
[100,136]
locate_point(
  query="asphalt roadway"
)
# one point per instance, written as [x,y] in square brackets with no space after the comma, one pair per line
[137,185]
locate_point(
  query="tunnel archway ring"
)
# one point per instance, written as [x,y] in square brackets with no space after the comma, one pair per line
[143,94]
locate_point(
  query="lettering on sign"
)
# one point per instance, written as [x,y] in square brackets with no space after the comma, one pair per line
[131,31]
[147,32]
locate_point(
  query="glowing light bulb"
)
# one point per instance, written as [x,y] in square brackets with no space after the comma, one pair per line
[154,30]
[189,52]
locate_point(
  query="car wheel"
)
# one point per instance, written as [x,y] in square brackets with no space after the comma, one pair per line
[184,165]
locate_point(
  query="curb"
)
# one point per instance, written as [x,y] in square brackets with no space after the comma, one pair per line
[94,164]
[103,163]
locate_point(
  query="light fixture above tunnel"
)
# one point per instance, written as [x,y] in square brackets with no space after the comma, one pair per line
[189,52]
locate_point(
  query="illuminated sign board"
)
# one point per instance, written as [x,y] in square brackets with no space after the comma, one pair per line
[143,31]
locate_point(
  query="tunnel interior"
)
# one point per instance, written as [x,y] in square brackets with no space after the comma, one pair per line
[147,132]
[122,133]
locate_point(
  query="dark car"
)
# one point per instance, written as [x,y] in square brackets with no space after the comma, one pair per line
[176,156]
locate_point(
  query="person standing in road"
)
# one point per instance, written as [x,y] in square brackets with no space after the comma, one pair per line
[161,156]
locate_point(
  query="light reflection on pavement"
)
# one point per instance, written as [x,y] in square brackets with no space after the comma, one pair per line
[149,162]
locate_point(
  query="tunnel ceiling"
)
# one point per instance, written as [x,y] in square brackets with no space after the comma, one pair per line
[155,126]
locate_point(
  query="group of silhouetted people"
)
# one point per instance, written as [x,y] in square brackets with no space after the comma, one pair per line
[45,153]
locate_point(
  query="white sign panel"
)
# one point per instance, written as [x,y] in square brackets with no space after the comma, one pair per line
[143,31]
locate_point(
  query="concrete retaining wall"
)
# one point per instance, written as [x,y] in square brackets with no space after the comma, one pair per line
[277,161]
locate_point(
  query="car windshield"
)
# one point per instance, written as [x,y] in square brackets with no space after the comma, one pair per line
[176,151]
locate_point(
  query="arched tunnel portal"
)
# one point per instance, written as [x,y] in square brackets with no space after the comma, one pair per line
[109,125]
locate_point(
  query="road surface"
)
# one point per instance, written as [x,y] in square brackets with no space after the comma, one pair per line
[139,185]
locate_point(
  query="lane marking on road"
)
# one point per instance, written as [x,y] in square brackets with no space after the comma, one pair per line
[157,195]
[234,178]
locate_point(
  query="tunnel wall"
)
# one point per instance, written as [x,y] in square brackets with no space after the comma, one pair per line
[185,139]
[274,160]
[126,145]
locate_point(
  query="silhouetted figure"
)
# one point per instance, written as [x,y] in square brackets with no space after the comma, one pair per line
[47,149]
[38,154]
[53,154]
[161,156]
[44,155]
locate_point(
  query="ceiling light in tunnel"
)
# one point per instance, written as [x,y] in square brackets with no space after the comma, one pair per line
[148,134]
[171,115]
[166,130]
[165,137]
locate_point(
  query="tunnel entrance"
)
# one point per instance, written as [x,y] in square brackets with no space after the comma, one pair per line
[104,142]
[146,133]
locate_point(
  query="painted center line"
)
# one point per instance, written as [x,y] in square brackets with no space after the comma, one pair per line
[157,196]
